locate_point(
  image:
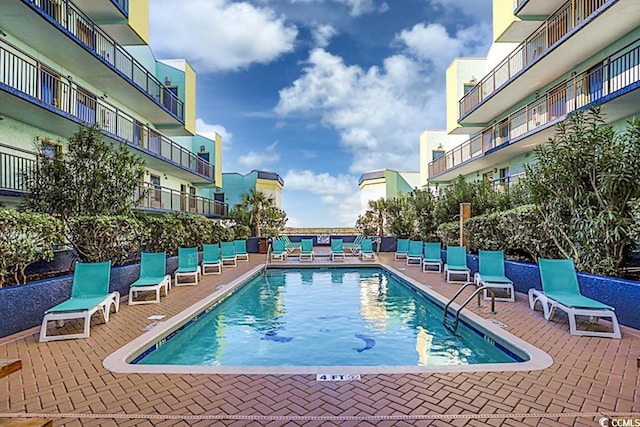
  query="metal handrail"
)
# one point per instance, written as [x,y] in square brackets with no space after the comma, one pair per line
[89,33]
[26,74]
[477,292]
[562,22]
[616,72]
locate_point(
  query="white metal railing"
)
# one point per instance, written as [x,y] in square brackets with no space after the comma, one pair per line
[23,73]
[615,73]
[563,21]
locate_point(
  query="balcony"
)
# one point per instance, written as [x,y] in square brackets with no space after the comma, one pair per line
[157,198]
[536,7]
[570,36]
[613,82]
[71,38]
[36,94]
[14,167]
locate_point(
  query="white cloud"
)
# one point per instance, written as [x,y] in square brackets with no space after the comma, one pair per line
[433,43]
[337,198]
[253,160]
[380,112]
[217,35]
[210,131]
[323,34]
[321,184]
[358,7]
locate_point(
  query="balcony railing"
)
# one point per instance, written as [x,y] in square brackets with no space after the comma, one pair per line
[122,4]
[98,42]
[25,74]
[615,73]
[162,198]
[14,168]
[550,32]
[505,183]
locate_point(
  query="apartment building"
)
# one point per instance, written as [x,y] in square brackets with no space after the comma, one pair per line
[236,184]
[64,63]
[548,59]
[385,184]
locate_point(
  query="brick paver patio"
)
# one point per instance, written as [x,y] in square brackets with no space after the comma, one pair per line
[65,380]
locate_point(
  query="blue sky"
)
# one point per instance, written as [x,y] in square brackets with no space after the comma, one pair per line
[320,91]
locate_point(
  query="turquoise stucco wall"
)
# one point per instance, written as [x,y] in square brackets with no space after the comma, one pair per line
[235,184]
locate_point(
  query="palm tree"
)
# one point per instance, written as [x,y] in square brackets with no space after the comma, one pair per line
[256,202]
[379,209]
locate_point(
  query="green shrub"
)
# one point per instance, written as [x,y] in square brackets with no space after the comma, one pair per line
[222,234]
[103,238]
[582,183]
[449,233]
[197,229]
[485,232]
[241,231]
[162,233]
[524,231]
[25,239]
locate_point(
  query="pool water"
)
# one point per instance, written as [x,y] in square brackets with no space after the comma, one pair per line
[324,317]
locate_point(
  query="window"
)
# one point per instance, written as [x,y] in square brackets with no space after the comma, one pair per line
[192,199]
[468,87]
[51,149]
[170,97]
[50,87]
[86,107]
[436,154]
[154,142]
[156,192]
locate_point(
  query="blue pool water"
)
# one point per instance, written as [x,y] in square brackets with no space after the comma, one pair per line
[324,317]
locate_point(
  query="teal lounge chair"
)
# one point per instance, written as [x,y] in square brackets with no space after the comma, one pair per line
[491,274]
[306,251]
[432,257]
[228,254]
[153,278]
[366,250]
[353,247]
[560,290]
[279,250]
[456,263]
[211,263]
[240,247]
[291,246]
[402,249]
[89,294]
[415,252]
[188,266]
[337,250]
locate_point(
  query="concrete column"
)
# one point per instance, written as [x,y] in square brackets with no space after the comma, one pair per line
[465,214]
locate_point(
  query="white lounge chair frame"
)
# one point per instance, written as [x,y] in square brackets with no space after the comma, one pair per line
[504,286]
[304,255]
[242,256]
[279,256]
[111,300]
[338,255]
[549,306]
[195,273]
[158,287]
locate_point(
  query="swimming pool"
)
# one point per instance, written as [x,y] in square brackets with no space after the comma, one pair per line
[314,320]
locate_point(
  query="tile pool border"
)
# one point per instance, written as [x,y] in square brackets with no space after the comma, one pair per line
[119,361]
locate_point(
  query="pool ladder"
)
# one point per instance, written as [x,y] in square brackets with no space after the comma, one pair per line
[452,323]
[266,260]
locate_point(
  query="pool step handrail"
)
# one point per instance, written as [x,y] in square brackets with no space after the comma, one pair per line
[453,326]
[266,261]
